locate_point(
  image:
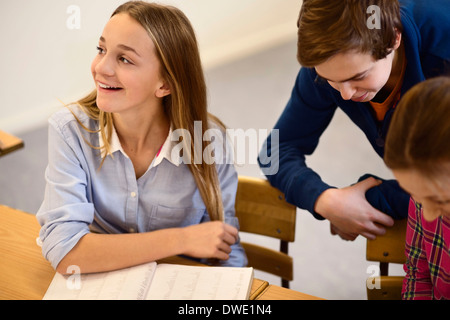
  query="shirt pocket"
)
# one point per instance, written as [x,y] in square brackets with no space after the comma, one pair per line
[163,217]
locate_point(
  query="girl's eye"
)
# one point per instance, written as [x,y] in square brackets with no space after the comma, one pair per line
[125,60]
[100,50]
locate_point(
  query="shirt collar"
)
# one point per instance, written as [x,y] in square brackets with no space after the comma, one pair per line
[164,153]
[115,143]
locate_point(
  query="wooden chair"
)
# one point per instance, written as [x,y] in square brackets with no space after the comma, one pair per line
[389,248]
[262,209]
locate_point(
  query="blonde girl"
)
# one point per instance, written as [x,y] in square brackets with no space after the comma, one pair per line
[116,196]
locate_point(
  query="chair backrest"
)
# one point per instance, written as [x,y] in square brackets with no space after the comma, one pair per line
[389,248]
[262,209]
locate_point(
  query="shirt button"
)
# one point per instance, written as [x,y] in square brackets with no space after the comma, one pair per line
[133,194]
[380,142]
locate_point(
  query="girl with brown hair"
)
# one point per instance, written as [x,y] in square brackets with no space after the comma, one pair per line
[116,195]
[418,153]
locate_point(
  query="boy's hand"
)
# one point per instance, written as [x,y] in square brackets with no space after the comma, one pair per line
[349,212]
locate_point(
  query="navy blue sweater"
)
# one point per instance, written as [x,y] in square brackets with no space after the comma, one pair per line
[426,37]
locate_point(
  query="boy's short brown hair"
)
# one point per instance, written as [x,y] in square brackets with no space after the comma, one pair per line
[328,27]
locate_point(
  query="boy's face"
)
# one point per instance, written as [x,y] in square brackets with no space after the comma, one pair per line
[356,76]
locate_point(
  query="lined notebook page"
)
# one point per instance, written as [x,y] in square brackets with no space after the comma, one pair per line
[175,282]
[125,284]
[155,282]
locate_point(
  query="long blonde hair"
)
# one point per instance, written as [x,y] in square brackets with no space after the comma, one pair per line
[177,51]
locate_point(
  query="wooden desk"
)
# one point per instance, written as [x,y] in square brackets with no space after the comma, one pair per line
[9,143]
[273,292]
[25,274]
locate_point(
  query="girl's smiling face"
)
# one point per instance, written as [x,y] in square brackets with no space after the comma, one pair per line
[126,70]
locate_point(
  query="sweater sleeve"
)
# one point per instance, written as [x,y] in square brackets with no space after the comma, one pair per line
[295,135]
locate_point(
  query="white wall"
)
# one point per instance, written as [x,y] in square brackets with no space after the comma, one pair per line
[43,61]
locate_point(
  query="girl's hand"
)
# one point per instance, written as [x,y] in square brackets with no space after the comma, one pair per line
[209,240]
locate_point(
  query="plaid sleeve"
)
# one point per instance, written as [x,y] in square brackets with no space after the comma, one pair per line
[417,283]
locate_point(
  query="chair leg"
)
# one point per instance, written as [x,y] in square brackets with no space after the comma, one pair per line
[284,245]
[384,268]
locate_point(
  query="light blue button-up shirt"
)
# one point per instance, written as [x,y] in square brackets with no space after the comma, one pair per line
[81,198]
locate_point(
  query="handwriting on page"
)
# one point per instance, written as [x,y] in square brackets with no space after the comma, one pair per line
[172,283]
[125,284]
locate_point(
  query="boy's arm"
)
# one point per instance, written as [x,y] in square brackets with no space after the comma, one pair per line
[295,135]
[306,116]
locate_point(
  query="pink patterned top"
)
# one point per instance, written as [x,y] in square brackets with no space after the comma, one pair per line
[428,258]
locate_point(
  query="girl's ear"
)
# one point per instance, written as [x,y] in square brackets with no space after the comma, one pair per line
[163,91]
[398,39]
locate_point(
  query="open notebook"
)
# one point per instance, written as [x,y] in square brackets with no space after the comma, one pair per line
[154,281]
